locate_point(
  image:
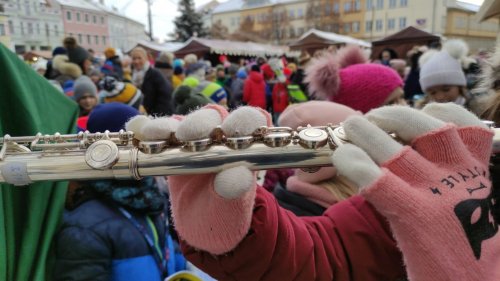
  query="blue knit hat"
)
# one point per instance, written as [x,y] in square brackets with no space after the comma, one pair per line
[59,51]
[110,116]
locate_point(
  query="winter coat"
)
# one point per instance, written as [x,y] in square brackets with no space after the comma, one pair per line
[254,90]
[114,66]
[157,93]
[97,242]
[297,78]
[350,242]
[280,97]
[237,92]
[296,203]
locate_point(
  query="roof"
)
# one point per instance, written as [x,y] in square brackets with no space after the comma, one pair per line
[408,34]
[237,5]
[465,6]
[330,38]
[234,48]
[80,4]
[115,12]
[489,9]
[165,47]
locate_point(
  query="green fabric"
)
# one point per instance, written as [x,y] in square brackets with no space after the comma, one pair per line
[29,216]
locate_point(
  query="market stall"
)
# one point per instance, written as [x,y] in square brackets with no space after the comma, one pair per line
[314,40]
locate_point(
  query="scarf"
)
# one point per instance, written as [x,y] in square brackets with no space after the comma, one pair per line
[138,75]
[142,196]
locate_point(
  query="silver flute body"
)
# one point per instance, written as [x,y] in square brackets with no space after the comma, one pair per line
[86,156]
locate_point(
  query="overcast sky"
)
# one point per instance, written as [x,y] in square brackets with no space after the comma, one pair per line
[164,12]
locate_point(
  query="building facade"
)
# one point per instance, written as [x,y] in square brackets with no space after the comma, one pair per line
[283,21]
[124,33]
[87,23]
[4,32]
[33,25]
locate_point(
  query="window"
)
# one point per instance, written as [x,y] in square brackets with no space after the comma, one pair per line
[102,20]
[404,3]
[291,14]
[33,48]
[357,5]
[96,38]
[327,10]
[86,17]
[80,38]
[56,30]
[347,27]
[391,24]
[94,19]
[402,23]
[379,25]
[2,29]
[78,17]
[233,22]
[30,28]
[300,31]
[368,25]
[300,13]
[335,27]
[380,4]
[336,8]
[47,31]
[68,15]
[89,40]
[11,27]
[392,3]
[347,7]
[369,4]
[355,27]
[37,28]
[104,40]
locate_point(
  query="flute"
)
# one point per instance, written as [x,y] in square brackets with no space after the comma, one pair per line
[118,155]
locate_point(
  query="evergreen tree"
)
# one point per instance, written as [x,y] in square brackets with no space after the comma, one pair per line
[189,23]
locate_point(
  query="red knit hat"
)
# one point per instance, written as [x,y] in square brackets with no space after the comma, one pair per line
[348,79]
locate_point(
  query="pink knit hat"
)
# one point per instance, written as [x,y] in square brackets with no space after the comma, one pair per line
[348,79]
[314,113]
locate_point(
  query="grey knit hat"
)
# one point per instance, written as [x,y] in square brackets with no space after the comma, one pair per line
[84,87]
[441,69]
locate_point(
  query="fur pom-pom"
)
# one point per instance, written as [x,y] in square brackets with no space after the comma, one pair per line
[69,43]
[351,55]
[323,76]
[457,48]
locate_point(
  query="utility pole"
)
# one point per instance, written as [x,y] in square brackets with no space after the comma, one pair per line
[150,20]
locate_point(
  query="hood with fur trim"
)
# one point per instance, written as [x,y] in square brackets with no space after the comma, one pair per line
[62,64]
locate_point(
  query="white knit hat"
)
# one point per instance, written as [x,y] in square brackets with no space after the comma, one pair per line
[441,69]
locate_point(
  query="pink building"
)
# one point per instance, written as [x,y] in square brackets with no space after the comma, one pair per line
[87,23]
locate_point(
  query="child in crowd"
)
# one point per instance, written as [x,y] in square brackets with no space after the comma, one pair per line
[347,78]
[443,80]
[85,94]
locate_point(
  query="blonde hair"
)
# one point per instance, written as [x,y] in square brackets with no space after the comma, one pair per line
[190,59]
[340,187]
[140,50]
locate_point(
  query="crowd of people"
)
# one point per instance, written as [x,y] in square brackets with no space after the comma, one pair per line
[298,225]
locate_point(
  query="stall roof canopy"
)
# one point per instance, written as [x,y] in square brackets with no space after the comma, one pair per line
[489,9]
[408,34]
[232,48]
[156,47]
[315,36]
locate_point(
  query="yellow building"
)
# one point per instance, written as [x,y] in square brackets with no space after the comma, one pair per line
[283,21]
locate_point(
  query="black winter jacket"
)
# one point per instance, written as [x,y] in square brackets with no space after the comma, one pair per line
[157,93]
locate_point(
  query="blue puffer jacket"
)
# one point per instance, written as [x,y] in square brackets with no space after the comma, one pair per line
[97,242]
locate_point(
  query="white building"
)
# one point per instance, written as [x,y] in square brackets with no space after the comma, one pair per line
[34,25]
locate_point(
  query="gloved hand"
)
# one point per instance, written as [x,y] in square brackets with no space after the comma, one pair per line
[436,194]
[211,212]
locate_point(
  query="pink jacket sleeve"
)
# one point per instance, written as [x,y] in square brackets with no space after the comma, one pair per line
[351,241]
